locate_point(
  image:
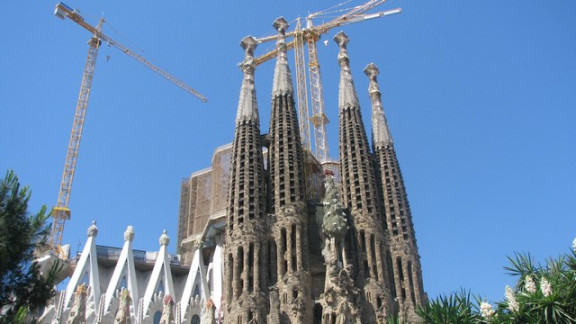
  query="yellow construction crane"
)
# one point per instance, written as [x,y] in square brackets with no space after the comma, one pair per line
[310,35]
[61,212]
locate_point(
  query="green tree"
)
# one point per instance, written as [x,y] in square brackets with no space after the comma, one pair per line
[454,308]
[22,288]
[542,294]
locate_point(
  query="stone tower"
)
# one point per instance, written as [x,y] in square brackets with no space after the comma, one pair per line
[406,272]
[246,252]
[292,253]
[360,196]
[288,196]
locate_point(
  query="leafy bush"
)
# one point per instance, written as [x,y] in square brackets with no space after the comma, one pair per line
[542,294]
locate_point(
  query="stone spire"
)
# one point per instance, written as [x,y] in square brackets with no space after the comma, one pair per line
[288,196]
[282,76]
[347,93]
[247,105]
[246,235]
[360,196]
[380,132]
[404,260]
[286,158]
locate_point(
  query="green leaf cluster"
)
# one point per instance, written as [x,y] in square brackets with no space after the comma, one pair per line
[458,307]
[22,288]
[550,299]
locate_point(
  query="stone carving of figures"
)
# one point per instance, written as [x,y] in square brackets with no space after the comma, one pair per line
[123,314]
[340,295]
[167,313]
[208,314]
[344,313]
[274,315]
[78,311]
[334,221]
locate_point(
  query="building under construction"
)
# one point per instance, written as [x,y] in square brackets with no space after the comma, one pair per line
[269,234]
[295,245]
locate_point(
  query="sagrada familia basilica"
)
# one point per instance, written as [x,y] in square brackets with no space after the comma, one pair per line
[268,234]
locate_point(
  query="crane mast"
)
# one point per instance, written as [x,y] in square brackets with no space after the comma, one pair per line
[319,119]
[61,212]
[302,94]
[311,34]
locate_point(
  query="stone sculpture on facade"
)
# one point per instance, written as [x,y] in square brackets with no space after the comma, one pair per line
[208,313]
[274,315]
[340,295]
[78,311]
[167,311]
[123,314]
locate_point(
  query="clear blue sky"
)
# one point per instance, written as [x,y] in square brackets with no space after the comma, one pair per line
[480,97]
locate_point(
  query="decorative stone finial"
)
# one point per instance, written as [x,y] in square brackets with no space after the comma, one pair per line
[129,233]
[371,70]
[93,230]
[281,25]
[248,44]
[342,40]
[164,239]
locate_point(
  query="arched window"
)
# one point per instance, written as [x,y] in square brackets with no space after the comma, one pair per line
[195,319]
[317,314]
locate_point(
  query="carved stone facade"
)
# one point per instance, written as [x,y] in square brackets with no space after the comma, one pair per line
[369,270]
[289,240]
[246,226]
[259,239]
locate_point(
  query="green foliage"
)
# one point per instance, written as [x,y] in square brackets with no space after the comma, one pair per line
[21,286]
[542,294]
[455,308]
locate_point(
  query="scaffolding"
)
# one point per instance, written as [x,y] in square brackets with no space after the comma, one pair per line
[203,196]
